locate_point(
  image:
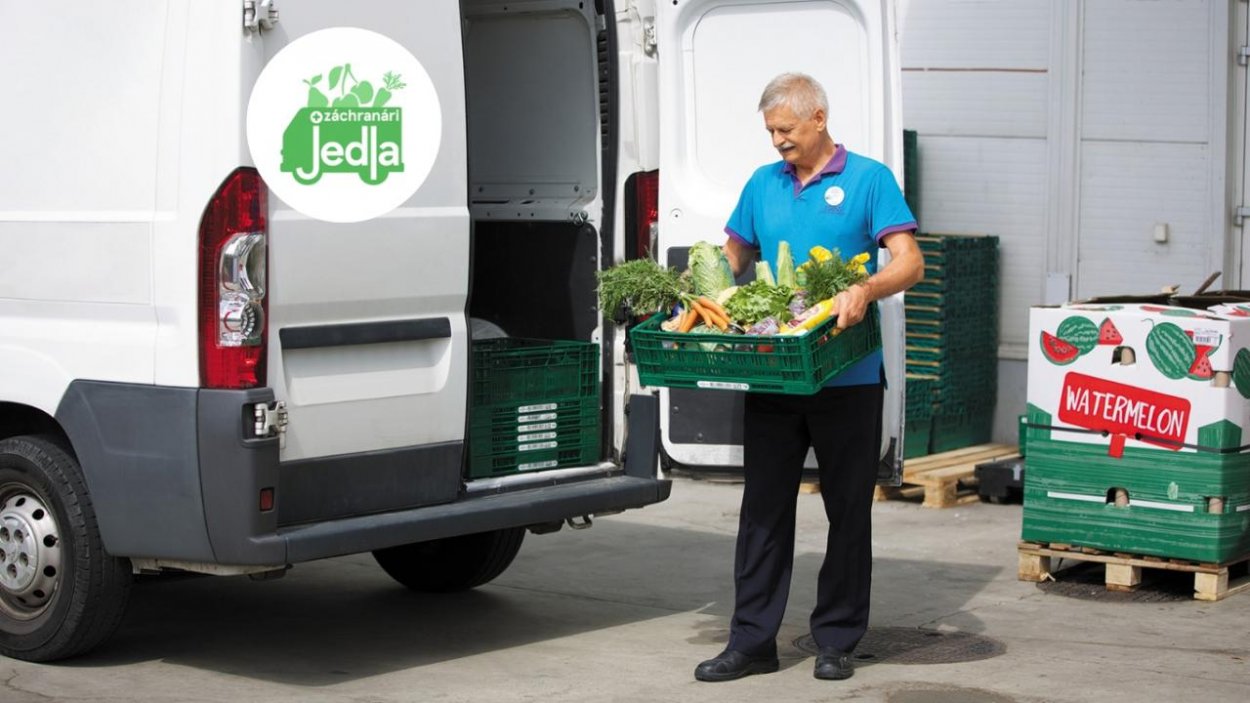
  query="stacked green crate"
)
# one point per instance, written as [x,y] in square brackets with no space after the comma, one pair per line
[1180,505]
[952,336]
[535,406]
[911,171]
[918,426]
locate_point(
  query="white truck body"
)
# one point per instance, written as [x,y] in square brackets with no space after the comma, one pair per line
[126,140]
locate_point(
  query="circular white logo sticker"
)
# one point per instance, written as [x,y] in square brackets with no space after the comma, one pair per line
[344,124]
[834,196]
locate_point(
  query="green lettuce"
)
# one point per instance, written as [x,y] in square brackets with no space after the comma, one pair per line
[709,269]
[758,300]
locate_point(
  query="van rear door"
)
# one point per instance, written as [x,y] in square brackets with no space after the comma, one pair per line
[368,342]
[716,57]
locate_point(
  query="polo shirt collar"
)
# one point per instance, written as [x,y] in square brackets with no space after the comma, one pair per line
[835,166]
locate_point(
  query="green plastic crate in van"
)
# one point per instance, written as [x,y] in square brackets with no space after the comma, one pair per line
[535,406]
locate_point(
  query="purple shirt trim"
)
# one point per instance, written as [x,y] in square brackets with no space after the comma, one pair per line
[905,227]
[835,165]
[739,237]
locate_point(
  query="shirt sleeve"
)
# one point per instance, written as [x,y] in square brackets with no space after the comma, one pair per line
[741,225]
[890,213]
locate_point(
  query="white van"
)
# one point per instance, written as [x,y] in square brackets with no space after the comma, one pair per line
[132,440]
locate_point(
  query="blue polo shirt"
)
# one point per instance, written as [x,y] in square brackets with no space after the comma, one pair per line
[849,206]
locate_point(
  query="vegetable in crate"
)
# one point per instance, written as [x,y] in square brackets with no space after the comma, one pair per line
[642,285]
[826,274]
[763,273]
[758,300]
[709,269]
[785,267]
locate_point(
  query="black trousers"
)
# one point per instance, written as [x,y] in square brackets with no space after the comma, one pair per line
[843,425]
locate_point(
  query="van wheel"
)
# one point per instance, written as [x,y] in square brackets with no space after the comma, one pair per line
[60,593]
[454,563]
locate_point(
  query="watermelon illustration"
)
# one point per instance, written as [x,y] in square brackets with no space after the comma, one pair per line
[1241,372]
[1080,332]
[1172,353]
[1201,368]
[1171,311]
[1108,334]
[1061,353]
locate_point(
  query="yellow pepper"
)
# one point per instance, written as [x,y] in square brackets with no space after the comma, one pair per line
[818,313]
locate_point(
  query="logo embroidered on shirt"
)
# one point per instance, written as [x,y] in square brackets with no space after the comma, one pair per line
[834,196]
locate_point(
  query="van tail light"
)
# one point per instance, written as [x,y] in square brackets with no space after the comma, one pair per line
[233,272]
[642,193]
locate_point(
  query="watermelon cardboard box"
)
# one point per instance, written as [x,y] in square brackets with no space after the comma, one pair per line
[1136,419]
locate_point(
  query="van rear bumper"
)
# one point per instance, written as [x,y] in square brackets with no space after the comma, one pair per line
[474,514]
[174,474]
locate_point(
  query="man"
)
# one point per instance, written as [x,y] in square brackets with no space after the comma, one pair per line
[819,193]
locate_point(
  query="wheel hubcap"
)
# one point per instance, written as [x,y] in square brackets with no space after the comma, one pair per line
[30,555]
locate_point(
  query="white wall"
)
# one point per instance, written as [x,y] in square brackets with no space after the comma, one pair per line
[1070,129]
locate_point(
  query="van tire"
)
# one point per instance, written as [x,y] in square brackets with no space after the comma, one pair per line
[454,563]
[46,516]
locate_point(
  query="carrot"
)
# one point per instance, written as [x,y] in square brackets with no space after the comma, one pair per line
[708,316]
[688,318]
[719,319]
[713,306]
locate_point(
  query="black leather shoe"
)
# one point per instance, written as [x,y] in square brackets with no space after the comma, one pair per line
[730,665]
[834,665]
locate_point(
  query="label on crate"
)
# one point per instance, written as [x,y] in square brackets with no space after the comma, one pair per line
[538,427]
[541,417]
[537,446]
[537,436]
[549,464]
[536,408]
[725,385]
[1099,404]
[1208,338]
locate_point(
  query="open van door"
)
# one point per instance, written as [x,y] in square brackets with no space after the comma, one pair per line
[715,57]
[368,341]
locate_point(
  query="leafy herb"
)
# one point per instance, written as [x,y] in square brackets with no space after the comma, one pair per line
[642,285]
[827,278]
[757,300]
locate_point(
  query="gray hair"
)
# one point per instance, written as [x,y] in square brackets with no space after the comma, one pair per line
[798,91]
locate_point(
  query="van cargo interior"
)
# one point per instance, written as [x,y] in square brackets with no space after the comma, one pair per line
[534,131]
[533,138]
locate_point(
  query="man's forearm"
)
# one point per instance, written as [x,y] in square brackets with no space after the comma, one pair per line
[905,270]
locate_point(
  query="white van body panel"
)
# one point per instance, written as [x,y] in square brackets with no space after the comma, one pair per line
[715,57]
[78,220]
[412,263]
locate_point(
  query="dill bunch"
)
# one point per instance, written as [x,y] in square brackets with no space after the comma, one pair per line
[827,278]
[642,285]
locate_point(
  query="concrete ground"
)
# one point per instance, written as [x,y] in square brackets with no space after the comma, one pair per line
[624,611]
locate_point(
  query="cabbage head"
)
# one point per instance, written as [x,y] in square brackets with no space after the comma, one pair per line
[709,269]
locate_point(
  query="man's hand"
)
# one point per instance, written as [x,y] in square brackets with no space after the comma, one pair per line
[905,269]
[851,305]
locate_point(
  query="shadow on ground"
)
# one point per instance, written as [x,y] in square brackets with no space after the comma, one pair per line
[342,619]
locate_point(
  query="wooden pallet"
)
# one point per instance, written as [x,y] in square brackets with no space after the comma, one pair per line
[946,479]
[1212,582]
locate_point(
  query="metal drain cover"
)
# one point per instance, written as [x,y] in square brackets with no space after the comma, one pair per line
[908,645]
[1086,581]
